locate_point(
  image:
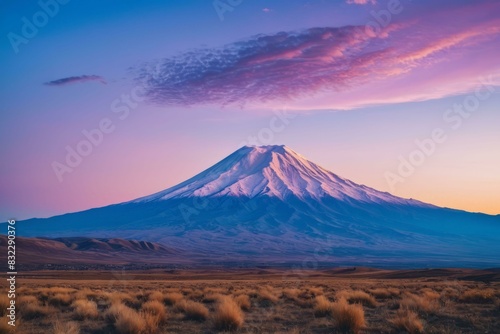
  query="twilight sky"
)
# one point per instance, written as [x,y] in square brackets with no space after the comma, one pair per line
[402,96]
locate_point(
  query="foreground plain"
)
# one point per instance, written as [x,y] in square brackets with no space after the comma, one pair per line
[354,300]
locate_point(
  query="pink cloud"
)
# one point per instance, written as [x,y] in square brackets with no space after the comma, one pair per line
[338,67]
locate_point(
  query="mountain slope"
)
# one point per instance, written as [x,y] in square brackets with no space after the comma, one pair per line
[275,171]
[271,205]
[79,251]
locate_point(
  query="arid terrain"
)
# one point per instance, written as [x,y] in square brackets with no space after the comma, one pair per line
[353,300]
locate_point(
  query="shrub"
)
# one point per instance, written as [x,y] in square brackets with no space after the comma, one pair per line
[357,296]
[151,322]
[384,293]
[85,309]
[291,293]
[430,294]
[267,298]
[243,302]
[316,291]
[193,310]
[450,293]
[69,327]
[418,303]
[322,307]
[60,299]
[211,297]
[5,328]
[157,295]
[61,289]
[115,310]
[34,311]
[4,303]
[348,318]
[155,308]
[228,315]
[173,298]
[29,299]
[407,320]
[478,296]
[127,320]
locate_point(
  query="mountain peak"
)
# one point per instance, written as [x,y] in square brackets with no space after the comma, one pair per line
[274,171]
[265,149]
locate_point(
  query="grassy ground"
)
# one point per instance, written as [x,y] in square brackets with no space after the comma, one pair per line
[258,305]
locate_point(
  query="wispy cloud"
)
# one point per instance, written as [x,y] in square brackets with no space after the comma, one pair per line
[326,66]
[76,79]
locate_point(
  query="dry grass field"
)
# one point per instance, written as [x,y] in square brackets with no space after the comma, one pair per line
[65,304]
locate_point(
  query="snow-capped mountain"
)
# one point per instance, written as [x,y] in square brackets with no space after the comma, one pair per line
[274,171]
[268,205]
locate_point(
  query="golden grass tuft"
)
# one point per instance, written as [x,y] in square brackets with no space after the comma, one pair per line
[86,293]
[450,293]
[291,294]
[70,327]
[349,318]
[60,299]
[156,295]
[295,295]
[5,328]
[84,309]
[267,297]
[425,303]
[173,298]
[118,297]
[228,315]
[322,306]
[243,302]
[130,321]
[214,290]
[34,311]
[316,291]
[151,322]
[27,299]
[430,294]
[61,289]
[156,308]
[408,321]
[127,320]
[114,310]
[478,295]
[384,293]
[4,303]
[212,297]
[357,296]
[193,310]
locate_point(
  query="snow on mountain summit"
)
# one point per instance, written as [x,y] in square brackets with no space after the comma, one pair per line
[275,171]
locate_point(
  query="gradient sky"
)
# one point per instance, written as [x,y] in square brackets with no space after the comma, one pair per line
[359,93]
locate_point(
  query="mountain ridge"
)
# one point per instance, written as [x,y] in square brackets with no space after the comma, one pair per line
[253,170]
[271,205]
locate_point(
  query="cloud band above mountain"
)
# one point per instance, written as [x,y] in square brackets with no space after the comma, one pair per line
[331,64]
